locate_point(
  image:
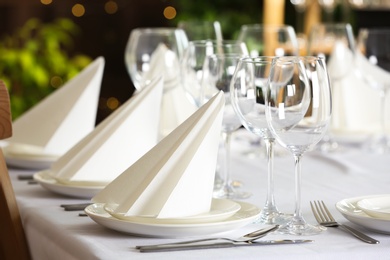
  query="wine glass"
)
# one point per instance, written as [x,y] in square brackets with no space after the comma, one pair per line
[144,41]
[267,40]
[201,30]
[218,72]
[193,60]
[335,42]
[373,61]
[248,86]
[298,111]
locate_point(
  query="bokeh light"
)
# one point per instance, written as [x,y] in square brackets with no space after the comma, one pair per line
[46,2]
[111,7]
[78,10]
[112,103]
[169,12]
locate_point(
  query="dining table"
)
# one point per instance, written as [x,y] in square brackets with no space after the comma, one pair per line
[347,172]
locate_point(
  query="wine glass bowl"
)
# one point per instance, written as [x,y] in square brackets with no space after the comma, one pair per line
[193,61]
[298,111]
[269,40]
[142,44]
[201,30]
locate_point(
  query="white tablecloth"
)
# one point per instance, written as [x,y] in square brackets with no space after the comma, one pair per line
[57,234]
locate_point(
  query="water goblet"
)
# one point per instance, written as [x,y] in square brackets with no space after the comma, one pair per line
[248,86]
[201,30]
[193,61]
[336,43]
[218,72]
[298,111]
[373,62]
[142,44]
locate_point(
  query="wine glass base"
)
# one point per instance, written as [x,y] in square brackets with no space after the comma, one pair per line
[272,217]
[300,229]
[231,193]
[379,145]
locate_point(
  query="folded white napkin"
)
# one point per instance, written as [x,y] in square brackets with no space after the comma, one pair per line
[118,141]
[355,103]
[63,118]
[175,105]
[176,177]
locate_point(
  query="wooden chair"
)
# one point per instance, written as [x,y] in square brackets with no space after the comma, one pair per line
[13,244]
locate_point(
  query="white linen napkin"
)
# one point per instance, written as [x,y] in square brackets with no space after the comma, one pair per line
[175,105]
[63,118]
[355,103]
[117,142]
[176,177]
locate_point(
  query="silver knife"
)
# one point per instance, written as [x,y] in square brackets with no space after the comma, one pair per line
[177,247]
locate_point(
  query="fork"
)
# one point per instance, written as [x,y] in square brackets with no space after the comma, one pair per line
[325,218]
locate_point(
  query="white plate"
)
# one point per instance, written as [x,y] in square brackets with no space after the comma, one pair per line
[27,157]
[246,215]
[377,207]
[350,210]
[47,181]
[220,209]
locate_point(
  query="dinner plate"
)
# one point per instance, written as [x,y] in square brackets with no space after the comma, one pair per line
[377,207]
[79,191]
[350,210]
[247,214]
[220,209]
[28,157]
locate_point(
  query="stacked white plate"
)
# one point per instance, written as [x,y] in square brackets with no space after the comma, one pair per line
[224,215]
[371,212]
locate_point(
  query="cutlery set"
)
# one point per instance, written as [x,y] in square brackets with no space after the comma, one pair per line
[319,209]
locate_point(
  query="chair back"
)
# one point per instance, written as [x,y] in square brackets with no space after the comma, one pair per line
[13,243]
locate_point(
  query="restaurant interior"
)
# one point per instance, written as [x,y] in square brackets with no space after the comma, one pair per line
[275,125]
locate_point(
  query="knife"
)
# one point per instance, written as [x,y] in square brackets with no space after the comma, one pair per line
[178,247]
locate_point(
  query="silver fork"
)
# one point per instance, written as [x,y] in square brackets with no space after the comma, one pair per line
[325,218]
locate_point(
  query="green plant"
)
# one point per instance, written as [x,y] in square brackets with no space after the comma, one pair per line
[35,60]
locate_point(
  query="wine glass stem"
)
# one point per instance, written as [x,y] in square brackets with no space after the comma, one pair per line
[270,200]
[226,141]
[298,212]
[382,111]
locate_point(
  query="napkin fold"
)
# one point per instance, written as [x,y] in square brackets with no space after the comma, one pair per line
[175,106]
[118,141]
[356,104]
[176,177]
[63,118]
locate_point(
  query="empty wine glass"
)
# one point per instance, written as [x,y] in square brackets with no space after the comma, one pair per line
[144,41]
[373,61]
[298,110]
[201,30]
[193,60]
[218,72]
[248,86]
[335,42]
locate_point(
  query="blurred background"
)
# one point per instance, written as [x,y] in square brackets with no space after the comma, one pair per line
[43,43]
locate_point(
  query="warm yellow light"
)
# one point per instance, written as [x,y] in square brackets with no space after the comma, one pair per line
[78,10]
[112,103]
[111,7]
[169,12]
[56,81]
[46,2]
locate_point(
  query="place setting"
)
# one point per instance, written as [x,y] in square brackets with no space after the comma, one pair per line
[371,212]
[118,141]
[45,132]
[168,192]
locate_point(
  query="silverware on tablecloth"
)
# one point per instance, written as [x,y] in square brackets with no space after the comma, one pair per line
[75,207]
[325,218]
[247,238]
[208,245]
